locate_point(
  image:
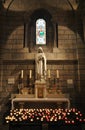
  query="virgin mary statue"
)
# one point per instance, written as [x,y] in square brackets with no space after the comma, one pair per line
[40,61]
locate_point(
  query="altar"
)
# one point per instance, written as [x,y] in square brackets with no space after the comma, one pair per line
[43,102]
[42,97]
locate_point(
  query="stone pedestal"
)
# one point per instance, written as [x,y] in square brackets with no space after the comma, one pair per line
[40,89]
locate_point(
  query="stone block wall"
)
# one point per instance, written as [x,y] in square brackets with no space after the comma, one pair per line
[68,57]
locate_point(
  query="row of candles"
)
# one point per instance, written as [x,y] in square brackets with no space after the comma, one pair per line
[30,74]
[49,74]
[70,116]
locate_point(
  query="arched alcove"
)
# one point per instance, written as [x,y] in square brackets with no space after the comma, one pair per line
[31,30]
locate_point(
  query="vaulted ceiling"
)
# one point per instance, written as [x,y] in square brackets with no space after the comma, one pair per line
[26,5]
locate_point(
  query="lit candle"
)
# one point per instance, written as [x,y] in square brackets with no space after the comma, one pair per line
[57,73]
[48,73]
[30,76]
[22,74]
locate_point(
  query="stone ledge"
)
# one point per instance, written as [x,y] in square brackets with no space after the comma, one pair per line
[31,56]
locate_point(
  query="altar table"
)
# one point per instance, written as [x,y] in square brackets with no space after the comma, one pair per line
[40,100]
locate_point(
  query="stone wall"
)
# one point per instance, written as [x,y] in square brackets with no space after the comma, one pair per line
[67,56]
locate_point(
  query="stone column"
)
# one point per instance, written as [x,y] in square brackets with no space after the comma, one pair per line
[55,40]
[55,29]
[1,75]
[26,34]
[55,34]
[84,27]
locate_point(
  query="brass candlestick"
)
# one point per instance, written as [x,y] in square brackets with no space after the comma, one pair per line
[57,84]
[30,85]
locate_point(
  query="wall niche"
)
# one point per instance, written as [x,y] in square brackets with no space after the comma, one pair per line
[30,31]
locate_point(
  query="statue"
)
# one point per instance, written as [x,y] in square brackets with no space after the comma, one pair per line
[41,68]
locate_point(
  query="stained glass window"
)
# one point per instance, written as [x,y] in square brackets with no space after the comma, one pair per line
[41,32]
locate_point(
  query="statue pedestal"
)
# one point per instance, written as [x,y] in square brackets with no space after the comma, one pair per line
[40,89]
